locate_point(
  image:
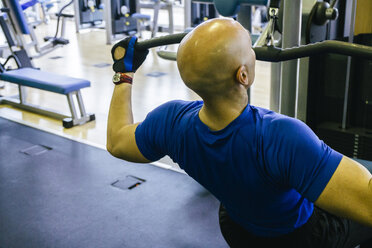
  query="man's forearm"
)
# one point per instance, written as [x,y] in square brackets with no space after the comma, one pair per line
[120,113]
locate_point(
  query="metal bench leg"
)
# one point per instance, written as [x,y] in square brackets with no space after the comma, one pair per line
[156,16]
[139,28]
[75,118]
[71,104]
[170,13]
[22,94]
[81,104]
[63,27]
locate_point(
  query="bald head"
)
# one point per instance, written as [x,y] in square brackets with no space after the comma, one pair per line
[216,57]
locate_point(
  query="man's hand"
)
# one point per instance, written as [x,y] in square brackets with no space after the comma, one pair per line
[126,57]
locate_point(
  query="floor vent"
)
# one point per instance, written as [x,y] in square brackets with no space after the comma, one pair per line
[156,74]
[36,150]
[128,183]
[56,57]
[102,65]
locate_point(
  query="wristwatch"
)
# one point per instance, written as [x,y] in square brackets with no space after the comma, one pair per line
[120,78]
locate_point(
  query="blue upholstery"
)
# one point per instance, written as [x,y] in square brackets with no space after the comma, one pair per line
[141,16]
[20,17]
[44,80]
[25,4]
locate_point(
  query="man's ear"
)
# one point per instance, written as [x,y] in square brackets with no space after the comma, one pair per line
[242,76]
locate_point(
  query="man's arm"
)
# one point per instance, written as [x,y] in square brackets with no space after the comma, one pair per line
[121,140]
[349,192]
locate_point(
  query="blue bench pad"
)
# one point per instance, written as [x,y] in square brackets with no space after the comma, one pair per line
[44,80]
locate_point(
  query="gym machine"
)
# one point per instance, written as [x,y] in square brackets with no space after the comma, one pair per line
[88,13]
[157,5]
[121,18]
[340,94]
[270,53]
[326,89]
[330,92]
[20,29]
[198,11]
[28,76]
[32,9]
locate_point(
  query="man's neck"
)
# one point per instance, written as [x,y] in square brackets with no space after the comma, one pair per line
[217,113]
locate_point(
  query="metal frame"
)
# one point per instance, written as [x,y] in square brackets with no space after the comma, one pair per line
[157,6]
[76,118]
[270,53]
[348,66]
[291,37]
[78,22]
[77,15]
[40,49]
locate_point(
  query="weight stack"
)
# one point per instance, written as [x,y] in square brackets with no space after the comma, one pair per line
[352,142]
[124,25]
[326,91]
[91,17]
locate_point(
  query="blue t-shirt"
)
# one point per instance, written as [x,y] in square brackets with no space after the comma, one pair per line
[265,168]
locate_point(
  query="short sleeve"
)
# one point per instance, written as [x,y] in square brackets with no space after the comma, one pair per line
[151,135]
[296,157]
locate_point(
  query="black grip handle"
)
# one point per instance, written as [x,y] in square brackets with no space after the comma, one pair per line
[160,41]
[272,54]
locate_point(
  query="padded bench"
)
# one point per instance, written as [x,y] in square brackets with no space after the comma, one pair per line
[30,77]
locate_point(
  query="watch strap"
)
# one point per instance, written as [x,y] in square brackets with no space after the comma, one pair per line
[120,78]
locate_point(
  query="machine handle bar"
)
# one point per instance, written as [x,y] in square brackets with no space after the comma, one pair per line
[160,41]
[273,54]
[270,53]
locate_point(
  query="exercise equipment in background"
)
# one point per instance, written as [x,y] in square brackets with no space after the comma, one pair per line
[34,11]
[339,105]
[122,18]
[229,8]
[88,13]
[121,15]
[157,5]
[330,92]
[201,12]
[24,32]
[197,11]
[28,76]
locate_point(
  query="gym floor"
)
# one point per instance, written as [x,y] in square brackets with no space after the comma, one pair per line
[88,56]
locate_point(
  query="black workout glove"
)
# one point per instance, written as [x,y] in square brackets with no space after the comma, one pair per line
[126,57]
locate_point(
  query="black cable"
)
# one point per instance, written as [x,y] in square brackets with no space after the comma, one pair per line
[59,16]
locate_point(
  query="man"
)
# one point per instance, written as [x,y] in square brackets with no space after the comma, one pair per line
[268,170]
